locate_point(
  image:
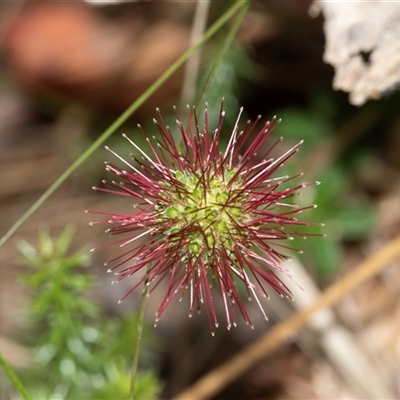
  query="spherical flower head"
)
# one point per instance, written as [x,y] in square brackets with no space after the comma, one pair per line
[204,216]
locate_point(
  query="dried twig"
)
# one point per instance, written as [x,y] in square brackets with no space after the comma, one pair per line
[217,379]
[343,350]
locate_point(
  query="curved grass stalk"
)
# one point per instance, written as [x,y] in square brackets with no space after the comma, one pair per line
[14,379]
[239,4]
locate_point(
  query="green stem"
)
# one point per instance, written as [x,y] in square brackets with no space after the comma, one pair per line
[140,324]
[14,379]
[119,121]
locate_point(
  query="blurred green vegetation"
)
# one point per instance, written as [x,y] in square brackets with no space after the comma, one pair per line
[79,351]
[347,214]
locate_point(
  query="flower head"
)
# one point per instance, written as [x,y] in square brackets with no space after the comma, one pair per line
[205,216]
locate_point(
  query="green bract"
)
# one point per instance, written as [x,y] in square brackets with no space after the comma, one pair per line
[211,213]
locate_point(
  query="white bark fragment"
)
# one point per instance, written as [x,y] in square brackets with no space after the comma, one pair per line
[363,46]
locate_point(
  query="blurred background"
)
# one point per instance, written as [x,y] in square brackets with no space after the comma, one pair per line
[69,69]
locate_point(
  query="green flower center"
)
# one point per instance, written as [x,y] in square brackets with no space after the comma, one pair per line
[208,212]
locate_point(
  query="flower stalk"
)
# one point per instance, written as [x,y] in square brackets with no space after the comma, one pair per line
[138,341]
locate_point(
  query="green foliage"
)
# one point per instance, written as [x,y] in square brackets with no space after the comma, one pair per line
[347,216]
[80,353]
[235,66]
[303,125]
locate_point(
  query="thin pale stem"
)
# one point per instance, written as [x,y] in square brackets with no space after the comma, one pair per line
[14,379]
[136,352]
[119,121]
[192,66]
